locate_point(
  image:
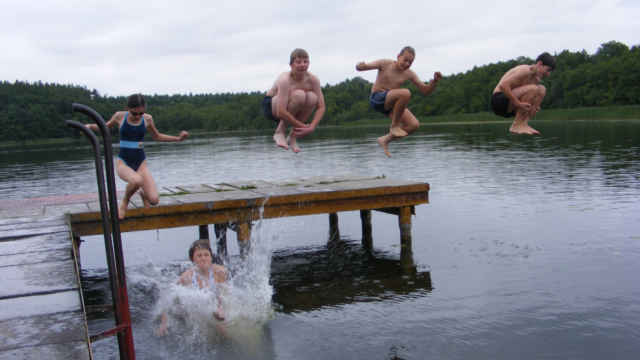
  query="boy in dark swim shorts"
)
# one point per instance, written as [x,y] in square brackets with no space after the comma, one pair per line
[388,97]
[520,94]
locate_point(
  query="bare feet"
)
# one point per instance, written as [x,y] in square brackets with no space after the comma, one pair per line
[280,140]
[122,209]
[397,131]
[523,129]
[384,142]
[293,144]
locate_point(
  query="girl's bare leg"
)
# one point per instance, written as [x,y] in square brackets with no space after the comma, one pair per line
[134,182]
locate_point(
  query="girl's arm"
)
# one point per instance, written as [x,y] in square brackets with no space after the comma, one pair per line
[115,120]
[158,136]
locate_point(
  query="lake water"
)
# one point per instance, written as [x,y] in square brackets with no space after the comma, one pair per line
[528,249]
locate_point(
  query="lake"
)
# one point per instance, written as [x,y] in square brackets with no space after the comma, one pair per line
[528,249]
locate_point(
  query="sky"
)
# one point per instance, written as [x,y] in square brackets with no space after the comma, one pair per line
[121,47]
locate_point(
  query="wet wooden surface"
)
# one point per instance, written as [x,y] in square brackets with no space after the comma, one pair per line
[41,312]
[187,205]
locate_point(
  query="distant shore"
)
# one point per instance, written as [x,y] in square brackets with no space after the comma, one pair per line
[631,112]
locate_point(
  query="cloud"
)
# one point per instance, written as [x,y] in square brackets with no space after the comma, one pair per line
[119,47]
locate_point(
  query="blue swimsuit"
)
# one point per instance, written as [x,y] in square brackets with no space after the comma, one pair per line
[131,146]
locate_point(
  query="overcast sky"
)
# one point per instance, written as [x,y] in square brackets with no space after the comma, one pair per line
[120,47]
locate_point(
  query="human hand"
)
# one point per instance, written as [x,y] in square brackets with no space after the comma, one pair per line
[524,106]
[360,65]
[183,135]
[161,330]
[218,316]
[303,131]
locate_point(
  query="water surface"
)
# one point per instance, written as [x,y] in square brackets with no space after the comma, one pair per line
[528,249]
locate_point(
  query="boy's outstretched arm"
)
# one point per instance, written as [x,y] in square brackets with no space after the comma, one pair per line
[427,89]
[364,66]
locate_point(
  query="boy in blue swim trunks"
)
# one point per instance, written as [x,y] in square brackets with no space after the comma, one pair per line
[519,93]
[294,96]
[131,165]
[389,98]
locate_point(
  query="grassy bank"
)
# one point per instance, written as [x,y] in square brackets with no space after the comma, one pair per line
[591,113]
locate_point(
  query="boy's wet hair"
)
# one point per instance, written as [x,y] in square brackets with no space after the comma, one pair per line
[135,100]
[199,244]
[298,53]
[547,60]
[408,49]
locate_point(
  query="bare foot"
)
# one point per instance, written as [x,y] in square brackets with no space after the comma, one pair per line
[280,140]
[293,144]
[523,129]
[122,209]
[397,131]
[384,144]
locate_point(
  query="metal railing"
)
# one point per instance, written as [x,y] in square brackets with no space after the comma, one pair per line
[112,239]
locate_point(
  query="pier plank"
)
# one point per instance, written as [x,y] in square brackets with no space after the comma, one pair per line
[37,278]
[37,243]
[11,234]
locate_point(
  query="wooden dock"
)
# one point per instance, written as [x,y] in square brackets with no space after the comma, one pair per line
[41,307]
[39,251]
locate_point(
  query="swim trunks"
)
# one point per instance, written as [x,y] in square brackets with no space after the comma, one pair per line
[500,105]
[376,100]
[131,146]
[266,108]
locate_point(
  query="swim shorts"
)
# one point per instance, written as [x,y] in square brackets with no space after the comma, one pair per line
[376,100]
[266,108]
[500,105]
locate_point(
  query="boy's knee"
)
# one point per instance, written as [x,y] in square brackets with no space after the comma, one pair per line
[405,93]
[542,91]
[311,99]
[297,97]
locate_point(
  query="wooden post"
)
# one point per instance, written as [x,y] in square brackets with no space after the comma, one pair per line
[365,217]
[76,249]
[221,237]
[244,235]
[404,221]
[334,230]
[204,231]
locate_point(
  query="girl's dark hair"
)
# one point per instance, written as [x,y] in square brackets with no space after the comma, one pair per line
[135,100]
[203,244]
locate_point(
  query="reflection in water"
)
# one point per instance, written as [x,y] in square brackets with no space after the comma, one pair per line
[341,272]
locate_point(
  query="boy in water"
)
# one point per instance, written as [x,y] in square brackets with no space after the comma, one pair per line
[520,94]
[291,101]
[389,98]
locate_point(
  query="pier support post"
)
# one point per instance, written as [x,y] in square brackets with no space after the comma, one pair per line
[404,221]
[204,231]
[244,235]
[76,249]
[334,230]
[221,239]
[367,240]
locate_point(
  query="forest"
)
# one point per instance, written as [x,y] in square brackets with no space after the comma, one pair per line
[609,77]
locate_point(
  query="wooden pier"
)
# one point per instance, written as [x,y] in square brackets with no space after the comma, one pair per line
[39,252]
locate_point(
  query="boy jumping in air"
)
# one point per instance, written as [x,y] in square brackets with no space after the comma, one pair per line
[389,98]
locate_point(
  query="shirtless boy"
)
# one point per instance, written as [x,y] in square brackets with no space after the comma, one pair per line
[389,98]
[520,94]
[292,100]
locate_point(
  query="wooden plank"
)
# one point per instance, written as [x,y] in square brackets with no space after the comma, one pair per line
[31,211]
[194,188]
[50,210]
[31,220]
[38,243]
[214,216]
[35,257]
[71,350]
[37,278]
[56,328]
[36,305]
[12,234]
[248,185]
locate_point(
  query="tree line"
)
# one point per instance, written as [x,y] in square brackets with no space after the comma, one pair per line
[609,77]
